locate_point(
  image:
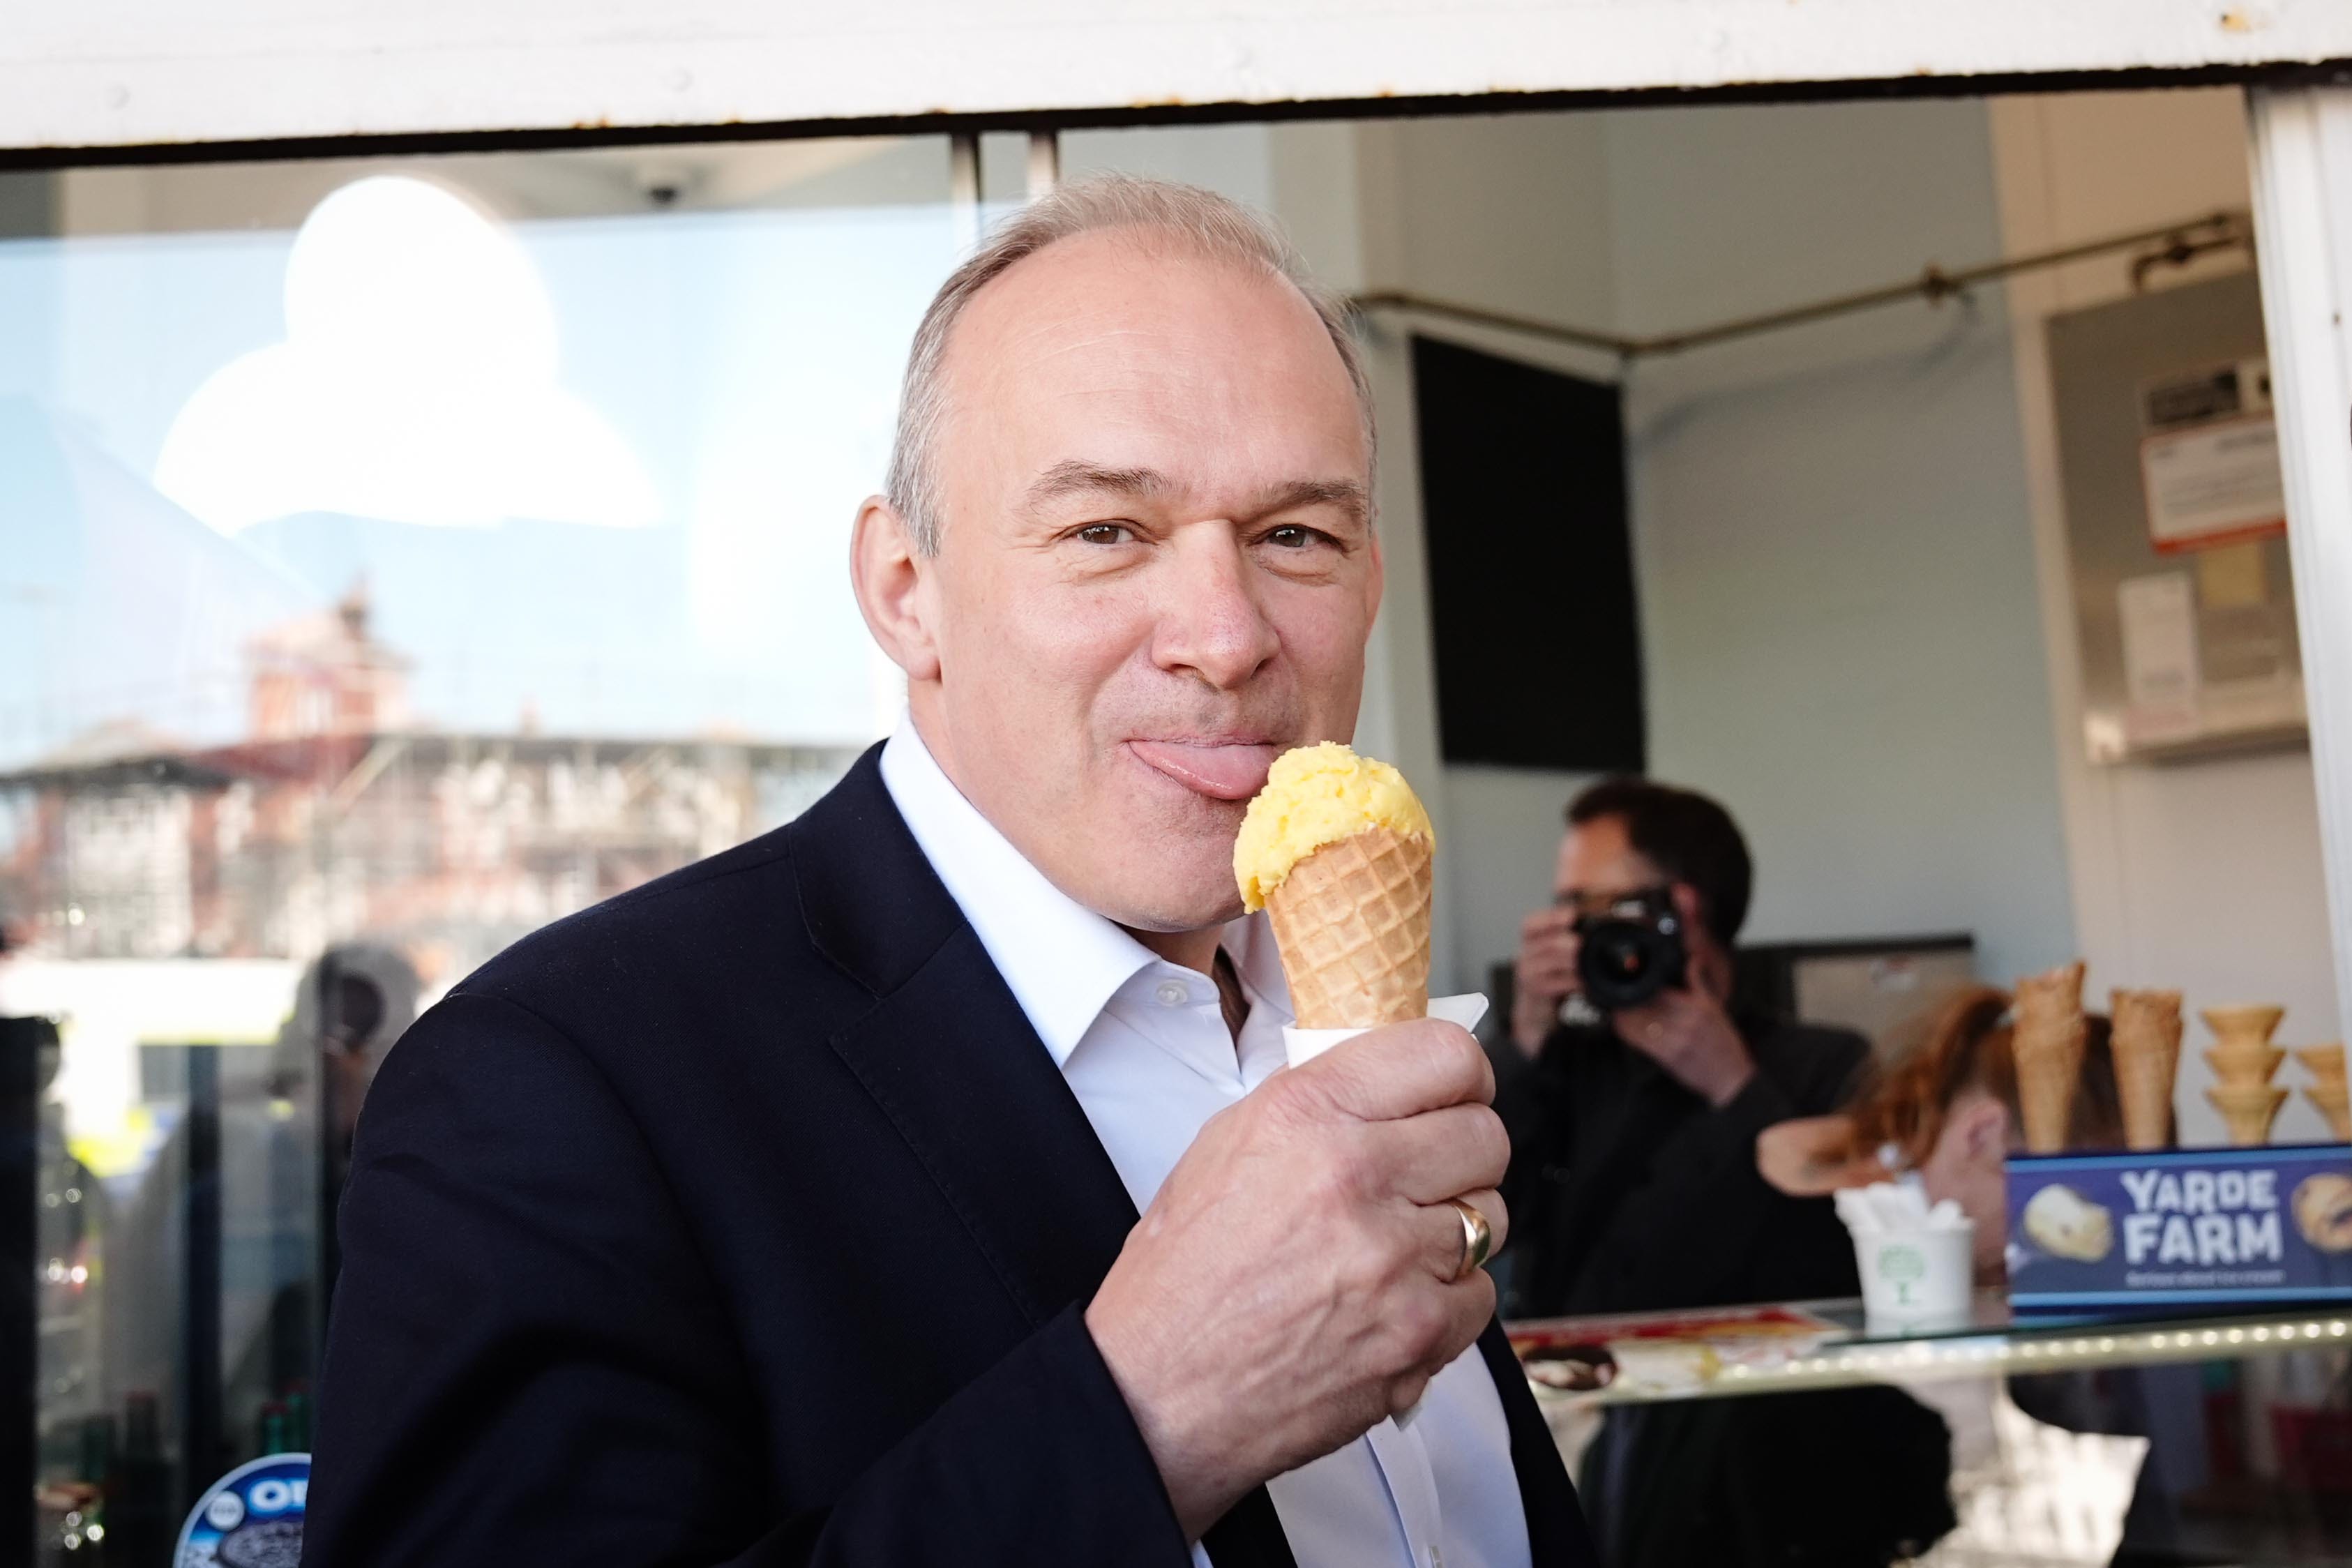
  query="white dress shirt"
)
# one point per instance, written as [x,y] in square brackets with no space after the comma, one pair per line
[1143,1045]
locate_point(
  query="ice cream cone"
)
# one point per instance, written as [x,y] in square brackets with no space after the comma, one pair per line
[1352,923]
[2047,1043]
[2249,1108]
[2324,1063]
[2146,1045]
[2245,1027]
[1335,849]
[2249,1067]
[2335,1102]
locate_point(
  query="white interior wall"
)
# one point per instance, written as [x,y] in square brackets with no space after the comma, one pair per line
[1836,576]
[1836,568]
[2207,874]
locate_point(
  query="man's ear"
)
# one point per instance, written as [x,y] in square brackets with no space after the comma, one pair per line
[891,580]
[1984,1129]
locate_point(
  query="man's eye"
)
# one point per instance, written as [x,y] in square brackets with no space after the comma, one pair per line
[1106,533]
[1293,536]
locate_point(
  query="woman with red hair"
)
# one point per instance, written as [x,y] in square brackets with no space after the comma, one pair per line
[1947,1111]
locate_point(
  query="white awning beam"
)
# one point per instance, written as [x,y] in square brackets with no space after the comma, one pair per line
[134,73]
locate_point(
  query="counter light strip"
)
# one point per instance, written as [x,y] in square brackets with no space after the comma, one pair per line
[1982,1355]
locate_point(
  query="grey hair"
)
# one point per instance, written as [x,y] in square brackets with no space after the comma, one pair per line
[1196,219]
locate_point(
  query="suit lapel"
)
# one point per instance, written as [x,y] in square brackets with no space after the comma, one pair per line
[954,1063]
[952,1060]
[1556,1530]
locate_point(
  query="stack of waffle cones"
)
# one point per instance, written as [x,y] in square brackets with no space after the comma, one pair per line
[2243,1060]
[2326,1065]
[2047,1043]
[1352,923]
[2147,1045]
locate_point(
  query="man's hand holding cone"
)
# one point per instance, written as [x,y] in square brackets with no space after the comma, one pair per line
[1300,1274]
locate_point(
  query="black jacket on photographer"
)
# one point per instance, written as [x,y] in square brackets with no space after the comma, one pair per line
[1629,1192]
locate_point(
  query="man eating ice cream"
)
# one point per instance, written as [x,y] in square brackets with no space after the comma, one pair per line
[915,1185]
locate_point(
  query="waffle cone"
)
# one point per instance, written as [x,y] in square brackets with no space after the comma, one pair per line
[2047,1043]
[2249,1108]
[2147,1045]
[1352,921]
[2248,1025]
[2050,999]
[2335,1102]
[2046,1081]
[2244,1066]
[2324,1063]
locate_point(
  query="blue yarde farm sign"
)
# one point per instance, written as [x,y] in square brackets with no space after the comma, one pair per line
[2178,1226]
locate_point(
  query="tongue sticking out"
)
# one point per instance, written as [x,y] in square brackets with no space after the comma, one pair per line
[1222,771]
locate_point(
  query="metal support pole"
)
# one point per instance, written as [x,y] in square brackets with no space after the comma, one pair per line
[1044,162]
[201,1414]
[963,188]
[21,1043]
[2175,243]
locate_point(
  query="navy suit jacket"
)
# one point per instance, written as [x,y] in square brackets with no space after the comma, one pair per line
[743,1219]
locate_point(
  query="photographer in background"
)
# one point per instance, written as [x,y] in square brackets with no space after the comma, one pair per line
[1634,1184]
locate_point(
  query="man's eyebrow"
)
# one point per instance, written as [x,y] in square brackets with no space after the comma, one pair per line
[1075,477]
[1072,477]
[1346,494]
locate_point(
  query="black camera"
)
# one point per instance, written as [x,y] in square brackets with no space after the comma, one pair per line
[1630,951]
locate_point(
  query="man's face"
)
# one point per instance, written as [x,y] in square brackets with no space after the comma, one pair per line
[1598,867]
[1156,568]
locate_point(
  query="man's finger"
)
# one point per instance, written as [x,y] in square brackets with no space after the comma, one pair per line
[1469,1308]
[1430,1157]
[1400,1069]
[1550,972]
[1546,923]
[1440,1229]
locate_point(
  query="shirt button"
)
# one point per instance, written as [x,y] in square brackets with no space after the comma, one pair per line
[1172,993]
[1436,1558]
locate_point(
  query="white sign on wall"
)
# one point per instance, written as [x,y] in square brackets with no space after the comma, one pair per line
[2213,485]
[2209,461]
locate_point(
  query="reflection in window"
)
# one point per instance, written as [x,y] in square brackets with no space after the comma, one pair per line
[374,589]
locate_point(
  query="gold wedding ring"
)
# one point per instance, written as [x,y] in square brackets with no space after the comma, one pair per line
[1478,1239]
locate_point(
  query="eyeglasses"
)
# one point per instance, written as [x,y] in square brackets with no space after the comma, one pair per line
[1595,904]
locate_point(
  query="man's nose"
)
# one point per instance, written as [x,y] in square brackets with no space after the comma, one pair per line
[1210,620]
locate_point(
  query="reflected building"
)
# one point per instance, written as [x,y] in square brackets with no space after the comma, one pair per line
[339,817]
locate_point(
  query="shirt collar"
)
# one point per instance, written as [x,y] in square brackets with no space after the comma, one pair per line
[1061,961]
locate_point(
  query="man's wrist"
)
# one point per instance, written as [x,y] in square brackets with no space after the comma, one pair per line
[1199,1496]
[1734,1084]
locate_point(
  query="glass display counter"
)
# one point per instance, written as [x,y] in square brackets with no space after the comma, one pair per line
[1803,1433]
[1829,1345]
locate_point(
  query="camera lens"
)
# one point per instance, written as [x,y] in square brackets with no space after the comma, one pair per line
[1624,961]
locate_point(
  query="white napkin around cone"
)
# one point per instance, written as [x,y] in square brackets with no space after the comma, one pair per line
[1303,1046]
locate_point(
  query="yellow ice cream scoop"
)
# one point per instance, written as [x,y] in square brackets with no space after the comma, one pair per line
[1316,796]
